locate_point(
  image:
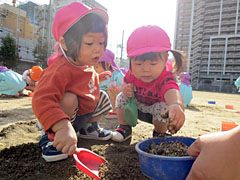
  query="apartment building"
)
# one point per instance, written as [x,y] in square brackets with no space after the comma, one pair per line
[42,23]
[29,7]
[208,31]
[15,19]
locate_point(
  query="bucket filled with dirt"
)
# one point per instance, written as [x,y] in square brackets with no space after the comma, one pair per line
[165,158]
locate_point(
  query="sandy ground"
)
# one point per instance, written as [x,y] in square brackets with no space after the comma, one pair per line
[201,117]
[17,120]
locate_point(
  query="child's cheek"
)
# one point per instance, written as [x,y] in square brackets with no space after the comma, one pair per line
[31,83]
[136,70]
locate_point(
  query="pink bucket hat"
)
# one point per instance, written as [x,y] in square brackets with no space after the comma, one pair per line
[147,39]
[109,56]
[70,14]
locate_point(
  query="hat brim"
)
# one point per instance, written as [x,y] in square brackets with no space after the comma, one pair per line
[144,50]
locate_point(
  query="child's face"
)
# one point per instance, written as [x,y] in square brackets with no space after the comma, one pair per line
[31,82]
[92,49]
[98,68]
[148,70]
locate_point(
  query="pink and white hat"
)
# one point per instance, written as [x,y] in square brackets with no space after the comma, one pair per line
[147,39]
[70,14]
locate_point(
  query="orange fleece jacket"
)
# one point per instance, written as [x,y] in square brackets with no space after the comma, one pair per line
[57,79]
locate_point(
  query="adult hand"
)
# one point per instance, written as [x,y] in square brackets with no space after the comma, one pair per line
[176,117]
[218,156]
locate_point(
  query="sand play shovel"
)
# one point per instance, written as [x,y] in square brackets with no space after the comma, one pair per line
[86,160]
[131,112]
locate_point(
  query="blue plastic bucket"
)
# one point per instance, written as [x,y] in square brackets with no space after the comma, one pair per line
[164,167]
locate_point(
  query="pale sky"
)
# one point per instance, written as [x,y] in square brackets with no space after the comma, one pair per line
[128,15]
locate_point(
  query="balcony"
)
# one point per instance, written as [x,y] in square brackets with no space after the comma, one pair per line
[229,15]
[198,17]
[211,31]
[230,2]
[230,9]
[235,56]
[219,42]
[214,49]
[213,5]
[197,36]
[213,17]
[210,24]
[211,10]
[237,49]
[198,23]
[227,22]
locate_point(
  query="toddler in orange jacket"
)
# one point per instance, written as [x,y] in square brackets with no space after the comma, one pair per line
[67,100]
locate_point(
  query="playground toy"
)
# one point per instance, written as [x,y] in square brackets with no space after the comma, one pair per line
[211,102]
[225,126]
[229,106]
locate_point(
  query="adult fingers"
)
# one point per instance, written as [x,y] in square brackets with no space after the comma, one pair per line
[194,149]
[195,172]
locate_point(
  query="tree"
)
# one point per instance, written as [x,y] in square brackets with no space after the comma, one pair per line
[8,52]
[40,51]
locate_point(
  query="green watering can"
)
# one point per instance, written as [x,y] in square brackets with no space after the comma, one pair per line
[131,112]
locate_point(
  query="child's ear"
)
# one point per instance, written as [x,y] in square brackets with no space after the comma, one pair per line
[62,42]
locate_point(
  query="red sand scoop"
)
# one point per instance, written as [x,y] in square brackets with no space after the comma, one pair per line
[86,160]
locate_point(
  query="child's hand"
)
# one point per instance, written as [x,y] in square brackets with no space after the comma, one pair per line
[65,139]
[114,89]
[30,88]
[176,117]
[127,90]
[103,75]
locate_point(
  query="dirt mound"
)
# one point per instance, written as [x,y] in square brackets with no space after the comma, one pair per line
[25,162]
[20,156]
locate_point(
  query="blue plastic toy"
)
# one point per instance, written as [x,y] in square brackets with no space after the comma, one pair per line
[164,167]
[211,102]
